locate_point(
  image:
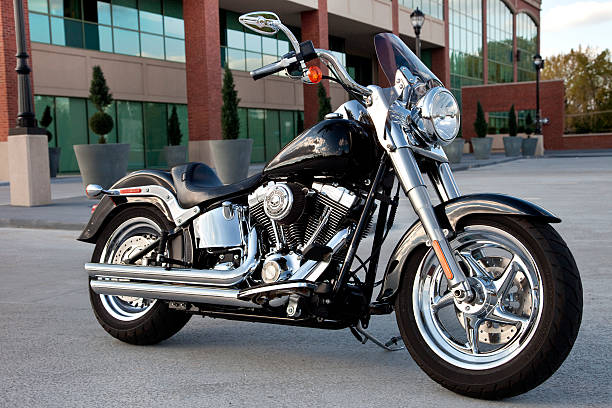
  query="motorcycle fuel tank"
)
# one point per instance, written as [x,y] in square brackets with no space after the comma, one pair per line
[336,148]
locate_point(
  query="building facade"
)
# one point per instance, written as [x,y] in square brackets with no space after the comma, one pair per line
[158,55]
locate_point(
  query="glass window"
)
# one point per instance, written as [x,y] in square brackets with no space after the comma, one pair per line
[287,127]
[125,14]
[152,46]
[253,61]
[269,45]
[465,38]
[253,42]
[499,42]
[155,133]
[126,42]
[66,8]
[256,119]
[174,27]
[175,50]
[235,39]
[40,104]
[527,46]
[151,22]
[130,130]
[244,128]
[71,125]
[57,31]
[39,28]
[104,12]
[272,134]
[433,8]
[181,112]
[38,5]
[235,59]
[67,32]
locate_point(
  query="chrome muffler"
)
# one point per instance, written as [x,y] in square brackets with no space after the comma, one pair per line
[179,293]
[207,277]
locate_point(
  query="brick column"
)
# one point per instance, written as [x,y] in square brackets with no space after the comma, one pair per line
[204,74]
[8,76]
[395,16]
[315,28]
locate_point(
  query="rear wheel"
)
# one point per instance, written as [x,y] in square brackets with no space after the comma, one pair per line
[129,319]
[520,326]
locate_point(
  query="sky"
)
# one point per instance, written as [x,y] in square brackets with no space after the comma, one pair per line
[566,24]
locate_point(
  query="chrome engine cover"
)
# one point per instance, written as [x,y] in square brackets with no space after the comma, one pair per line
[214,230]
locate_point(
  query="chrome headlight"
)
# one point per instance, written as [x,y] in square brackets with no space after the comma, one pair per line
[440,113]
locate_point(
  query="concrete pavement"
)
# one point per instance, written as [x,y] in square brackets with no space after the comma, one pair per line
[54,353]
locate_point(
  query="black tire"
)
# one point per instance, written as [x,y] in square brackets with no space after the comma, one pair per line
[160,322]
[552,339]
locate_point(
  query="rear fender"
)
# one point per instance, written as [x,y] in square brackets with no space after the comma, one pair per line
[449,215]
[111,205]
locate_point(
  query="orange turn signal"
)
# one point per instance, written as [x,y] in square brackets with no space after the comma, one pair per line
[315,74]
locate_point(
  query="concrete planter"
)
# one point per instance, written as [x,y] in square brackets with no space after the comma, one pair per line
[231,158]
[512,145]
[175,155]
[482,147]
[529,146]
[54,158]
[454,151]
[102,164]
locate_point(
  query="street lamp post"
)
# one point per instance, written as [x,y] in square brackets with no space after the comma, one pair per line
[25,117]
[418,19]
[538,63]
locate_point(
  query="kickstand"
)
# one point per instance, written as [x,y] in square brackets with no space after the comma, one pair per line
[358,331]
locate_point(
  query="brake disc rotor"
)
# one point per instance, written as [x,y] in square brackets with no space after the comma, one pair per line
[128,248]
[518,301]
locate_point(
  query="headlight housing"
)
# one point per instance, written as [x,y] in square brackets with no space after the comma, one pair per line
[440,114]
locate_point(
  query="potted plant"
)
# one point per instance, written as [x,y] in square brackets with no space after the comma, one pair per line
[481,143]
[454,150]
[54,152]
[512,144]
[175,153]
[101,163]
[231,155]
[530,143]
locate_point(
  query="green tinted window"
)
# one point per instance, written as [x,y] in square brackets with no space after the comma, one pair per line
[40,104]
[499,42]
[152,46]
[130,130]
[126,42]
[155,133]
[38,5]
[71,129]
[256,125]
[433,8]
[527,46]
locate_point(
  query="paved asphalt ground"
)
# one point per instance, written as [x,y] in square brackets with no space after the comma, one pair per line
[54,353]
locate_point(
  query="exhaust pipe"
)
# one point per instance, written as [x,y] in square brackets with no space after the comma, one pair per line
[208,277]
[215,296]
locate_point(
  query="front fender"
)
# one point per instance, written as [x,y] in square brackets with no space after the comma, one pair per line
[449,215]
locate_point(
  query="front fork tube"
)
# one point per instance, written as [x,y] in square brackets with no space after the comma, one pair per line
[412,182]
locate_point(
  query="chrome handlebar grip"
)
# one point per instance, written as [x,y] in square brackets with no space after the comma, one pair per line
[330,59]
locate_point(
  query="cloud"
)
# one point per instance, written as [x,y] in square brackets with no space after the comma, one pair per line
[581,13]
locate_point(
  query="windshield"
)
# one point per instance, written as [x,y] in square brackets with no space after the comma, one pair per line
[392,54]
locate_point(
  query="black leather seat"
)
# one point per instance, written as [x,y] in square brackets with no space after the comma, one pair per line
[196,184]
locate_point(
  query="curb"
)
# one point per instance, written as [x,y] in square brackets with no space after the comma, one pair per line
[39,224]
[467,166]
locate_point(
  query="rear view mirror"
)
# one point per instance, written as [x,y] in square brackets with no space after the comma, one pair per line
[262,22]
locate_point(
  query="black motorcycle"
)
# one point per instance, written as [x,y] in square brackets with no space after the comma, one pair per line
[487,295]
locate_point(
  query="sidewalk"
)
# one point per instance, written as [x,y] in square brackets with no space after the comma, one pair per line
[70,209]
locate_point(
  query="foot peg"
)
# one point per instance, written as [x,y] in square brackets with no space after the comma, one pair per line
[363,336]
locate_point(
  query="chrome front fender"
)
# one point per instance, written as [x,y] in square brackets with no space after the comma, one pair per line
[449,214]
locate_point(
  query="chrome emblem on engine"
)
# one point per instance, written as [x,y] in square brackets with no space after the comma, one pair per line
[278,201]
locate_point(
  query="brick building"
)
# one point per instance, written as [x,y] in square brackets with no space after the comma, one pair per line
[161,54]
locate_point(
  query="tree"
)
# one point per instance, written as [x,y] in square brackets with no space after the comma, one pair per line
[174,129]
[480,125]
[587,75]
[46,120]
[324,102]
[101,123]
[512,131]
[230,121]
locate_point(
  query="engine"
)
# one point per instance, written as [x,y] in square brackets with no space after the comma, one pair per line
[294,217]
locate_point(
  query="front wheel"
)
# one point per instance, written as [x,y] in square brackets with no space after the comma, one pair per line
[522,322]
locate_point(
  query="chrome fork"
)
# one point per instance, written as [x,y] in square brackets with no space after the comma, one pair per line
[412,183]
